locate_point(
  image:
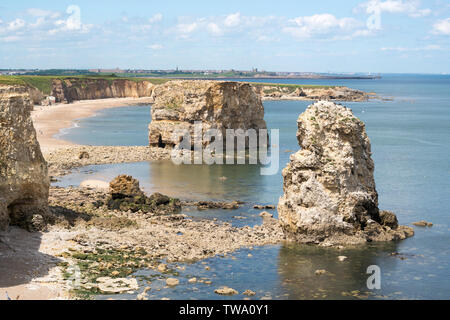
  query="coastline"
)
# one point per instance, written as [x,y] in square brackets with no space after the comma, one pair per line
[50,120]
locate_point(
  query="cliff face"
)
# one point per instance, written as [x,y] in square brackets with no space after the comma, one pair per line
[70,90]
[218,105]
[329,187]
[24,184]
[271,92]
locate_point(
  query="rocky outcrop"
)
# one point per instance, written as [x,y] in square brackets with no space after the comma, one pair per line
[126,195]
[329,187]
[69,90]
[24,184]
[280,92]
[218,105]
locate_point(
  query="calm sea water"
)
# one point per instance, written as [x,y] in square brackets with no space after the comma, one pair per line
[411,144]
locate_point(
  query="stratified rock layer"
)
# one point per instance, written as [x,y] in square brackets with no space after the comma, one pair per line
[74,89]
[218,105]
[24,184]
[329,187]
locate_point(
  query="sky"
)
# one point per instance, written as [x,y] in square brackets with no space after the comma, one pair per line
[377,36]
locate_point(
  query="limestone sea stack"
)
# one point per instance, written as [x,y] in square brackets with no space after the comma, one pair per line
[329,187]
[218,105]
[24,183]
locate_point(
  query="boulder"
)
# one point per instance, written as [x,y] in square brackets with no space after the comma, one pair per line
[125,186]
[218,105]
[126,195]
[329,187]
[24,183]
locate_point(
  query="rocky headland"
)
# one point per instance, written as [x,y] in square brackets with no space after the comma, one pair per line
[294,92]
[329,188]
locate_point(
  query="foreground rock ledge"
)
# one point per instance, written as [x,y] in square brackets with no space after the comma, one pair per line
[24,184]
[218,105]
[329,187]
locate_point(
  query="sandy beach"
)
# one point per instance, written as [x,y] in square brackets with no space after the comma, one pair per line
[49,120]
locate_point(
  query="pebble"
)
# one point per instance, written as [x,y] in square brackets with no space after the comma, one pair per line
[193,280]
[320,272]
[172,282]
[162,267]
[249,293]
[226,291]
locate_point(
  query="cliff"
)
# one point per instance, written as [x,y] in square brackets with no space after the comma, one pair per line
[329,187]
[73,89]
[24,184]
[218,105]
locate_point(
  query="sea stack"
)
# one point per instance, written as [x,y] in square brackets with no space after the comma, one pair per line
[24,183]
[329,188]
[217,105]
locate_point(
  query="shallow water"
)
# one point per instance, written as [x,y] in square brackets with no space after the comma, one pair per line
[411,144]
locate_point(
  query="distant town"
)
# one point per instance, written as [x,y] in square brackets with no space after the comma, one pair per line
[188,74]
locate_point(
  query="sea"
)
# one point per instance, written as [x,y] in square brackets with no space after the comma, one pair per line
[410,135]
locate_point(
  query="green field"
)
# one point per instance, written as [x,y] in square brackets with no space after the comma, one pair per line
[44,83]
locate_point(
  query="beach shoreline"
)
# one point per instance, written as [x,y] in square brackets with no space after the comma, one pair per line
[50,120]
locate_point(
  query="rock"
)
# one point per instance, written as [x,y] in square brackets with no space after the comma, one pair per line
[24,182]
[226,291]
[249,293]
[218,105]
[142,296]
[172,282]
[423,223]
[193,280]
[84,155]
[342,258]
[266,214]
[267,207]
[389,219]
[120,285]
[162,267]
[206,205]
[126,195]
[124,186]
[320,272]
[329,187]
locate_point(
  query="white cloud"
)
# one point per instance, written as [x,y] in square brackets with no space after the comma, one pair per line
[442,27]
[430,47]
[16,25]
[35,12]
[11,39]
[215,29]
[233,20]
[155,46]
[156,18]
[186,28]
[321,25]
[410,7]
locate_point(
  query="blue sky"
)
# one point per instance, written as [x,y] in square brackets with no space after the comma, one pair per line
[400,36]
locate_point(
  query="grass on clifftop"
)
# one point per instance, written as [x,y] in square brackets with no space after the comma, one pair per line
[44,83]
